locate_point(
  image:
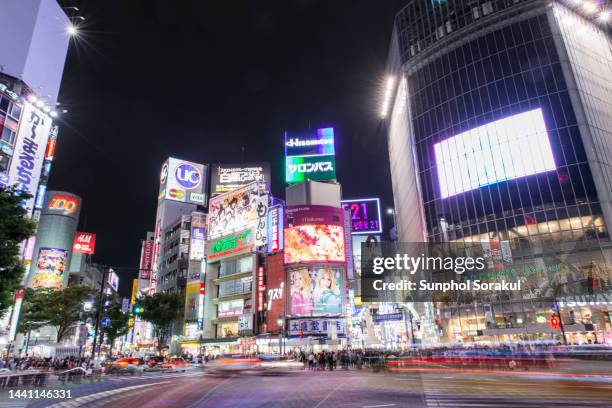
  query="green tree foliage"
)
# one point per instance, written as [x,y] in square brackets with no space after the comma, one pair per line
[61,309]
[119,321]
[161,310]
[14,228]
[33,315]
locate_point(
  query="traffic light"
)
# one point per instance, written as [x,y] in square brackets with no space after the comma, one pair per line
[138,310]
[555,323]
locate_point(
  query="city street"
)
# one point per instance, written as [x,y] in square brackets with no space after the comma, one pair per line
[354,388]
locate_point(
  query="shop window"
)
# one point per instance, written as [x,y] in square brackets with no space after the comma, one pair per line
[8,136]
[4,104]
[15,111]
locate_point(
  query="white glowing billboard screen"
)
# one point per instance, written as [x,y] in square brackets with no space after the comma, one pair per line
[506,149]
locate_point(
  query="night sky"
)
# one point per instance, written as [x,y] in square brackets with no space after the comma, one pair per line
[147,79]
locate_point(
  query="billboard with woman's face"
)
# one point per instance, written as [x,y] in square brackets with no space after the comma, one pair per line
[315,291]
[232,211]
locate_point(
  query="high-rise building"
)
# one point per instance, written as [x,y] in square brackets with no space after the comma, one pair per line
[499,117]
[33,50]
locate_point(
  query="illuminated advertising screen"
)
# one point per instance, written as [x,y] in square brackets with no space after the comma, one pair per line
[232,211]
[365,215]
[183,181]
[84,242]
[315,291]
[310,155]
[505,149]
[29,153]
[310,168]
[314,214]
[230,177]
[192,294]
[314,244]
[50,266]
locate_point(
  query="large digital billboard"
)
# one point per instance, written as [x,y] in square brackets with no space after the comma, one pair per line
[232,211]
[315,291]
[50,266]
[365,215]
[183,181]
[310,155]
[229,177]
[29,153]
[314,244]
[505,149]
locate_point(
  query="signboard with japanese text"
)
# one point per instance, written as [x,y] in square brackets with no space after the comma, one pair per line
[316,327]
[261,230]
[233,211]
[276,241]
[310,155]
[230,177]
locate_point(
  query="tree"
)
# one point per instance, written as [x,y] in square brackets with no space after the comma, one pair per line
[119,321]
[161,310]
[14,228]
[62,309]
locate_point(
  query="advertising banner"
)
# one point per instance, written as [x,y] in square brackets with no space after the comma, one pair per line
[364,215]
[198,236]
[275,291]
[314,244]
[310,155]
[84,242]
[183,181]
[315,291]
[316,327]
[113,281]
[348,245]
[230,246]
[261,230]
[50,266]
[230,177]
[192,293]
[29,154]
[232,211]
[146,256]
[276,240]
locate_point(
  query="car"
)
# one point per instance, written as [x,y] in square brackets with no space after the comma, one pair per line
[175,363]
[154,361]
[232,364]
[126,365]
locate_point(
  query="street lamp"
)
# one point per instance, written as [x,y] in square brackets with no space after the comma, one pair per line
[281,322]
[391,211]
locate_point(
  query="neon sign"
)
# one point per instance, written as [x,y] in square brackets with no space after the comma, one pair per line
[364,214]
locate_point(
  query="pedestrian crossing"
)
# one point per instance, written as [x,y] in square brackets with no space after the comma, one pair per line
[440,400]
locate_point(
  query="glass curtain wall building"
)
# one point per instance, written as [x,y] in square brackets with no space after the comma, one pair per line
[500,132]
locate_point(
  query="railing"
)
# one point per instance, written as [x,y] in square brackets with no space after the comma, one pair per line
[39,378]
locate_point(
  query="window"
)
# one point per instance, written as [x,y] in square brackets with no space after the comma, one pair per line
[230,308]
[4,162]
[15,111]
[4,104]
[8,136]
[236,287]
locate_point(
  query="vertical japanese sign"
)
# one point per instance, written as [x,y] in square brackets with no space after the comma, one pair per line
[261,231]
[261,288]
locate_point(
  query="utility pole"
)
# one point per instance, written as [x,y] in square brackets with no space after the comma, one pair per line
[105,271]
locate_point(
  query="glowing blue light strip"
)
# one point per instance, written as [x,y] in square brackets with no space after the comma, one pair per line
[506,149]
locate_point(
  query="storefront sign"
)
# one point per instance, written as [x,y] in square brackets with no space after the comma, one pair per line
[261,230]
[84,242]
[387,317]
[586,300]
[146,255]
[245,323]
[231,245]
[316,327]
[230,177]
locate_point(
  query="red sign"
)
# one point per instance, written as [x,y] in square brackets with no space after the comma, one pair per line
[50,149]
[261,288]
[275,293]
[555,323]
[146,256]
[84,242]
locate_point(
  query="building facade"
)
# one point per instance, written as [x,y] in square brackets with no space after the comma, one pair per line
[500,133]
